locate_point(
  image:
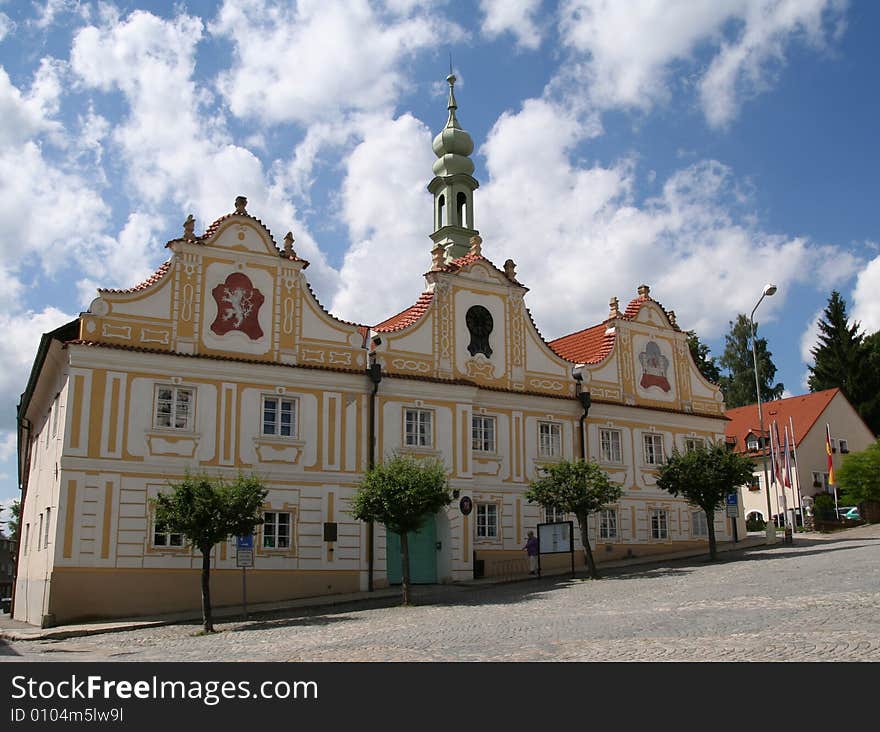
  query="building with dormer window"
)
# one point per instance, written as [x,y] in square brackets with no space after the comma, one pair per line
[225,361]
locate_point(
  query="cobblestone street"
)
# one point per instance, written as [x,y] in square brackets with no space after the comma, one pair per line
[816,600]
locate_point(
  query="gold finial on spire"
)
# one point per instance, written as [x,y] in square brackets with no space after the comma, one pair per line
[614,308]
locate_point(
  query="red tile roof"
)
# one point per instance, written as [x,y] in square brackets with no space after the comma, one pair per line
[803,410]
[460,263]
[590,345]
[151,280]
[408,316]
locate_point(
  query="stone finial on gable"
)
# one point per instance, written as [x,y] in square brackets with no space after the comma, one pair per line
[614,308]
[644,291]
[189,228]
[671,315]
[438,254]
[476,246]
[240,205]
[510,269]
[288,245]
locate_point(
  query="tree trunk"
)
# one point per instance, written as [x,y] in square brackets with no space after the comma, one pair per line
[404,558]
[710,524]
[206,590]
[588,553]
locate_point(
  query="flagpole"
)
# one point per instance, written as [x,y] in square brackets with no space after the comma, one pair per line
[773,480]
[831,479]
[797,473]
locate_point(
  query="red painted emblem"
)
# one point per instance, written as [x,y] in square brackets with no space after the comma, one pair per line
[238,307]
[654,367]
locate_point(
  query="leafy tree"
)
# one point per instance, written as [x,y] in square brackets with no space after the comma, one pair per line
[837,357]
[704,477]
[209,510]
[578,487]
[12,526]
[859,474]
[400,493]
[708,365]
[738,384]
[869,403]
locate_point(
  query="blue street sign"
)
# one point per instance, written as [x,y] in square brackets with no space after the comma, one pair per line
[731,499]
[244,542]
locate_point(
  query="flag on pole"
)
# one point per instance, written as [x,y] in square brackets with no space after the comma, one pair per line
[831,480]
[787,461]
[772,456]
[777,458]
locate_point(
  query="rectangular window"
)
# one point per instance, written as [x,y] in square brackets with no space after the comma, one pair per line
[752,445]
[699,525]
[608,523]
[609,446]
[483,433]
[817,479]
[55,416]
[549,439]
[691,444]
[166,538]
[279,417]
[276,530]
[48,522]
[27,537]
[487,520]
[844,446]
[659,529]
[653,448]
[39,532]
[417,428]
[552,515]
[174,407]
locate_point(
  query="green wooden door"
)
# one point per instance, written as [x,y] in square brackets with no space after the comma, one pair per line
[422,555]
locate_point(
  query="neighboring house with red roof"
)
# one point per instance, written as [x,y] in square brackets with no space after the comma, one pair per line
[224,361]
[805,418]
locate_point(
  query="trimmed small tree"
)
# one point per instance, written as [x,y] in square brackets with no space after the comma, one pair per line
[580,487]
[704,477]
[207,510]
[401,493]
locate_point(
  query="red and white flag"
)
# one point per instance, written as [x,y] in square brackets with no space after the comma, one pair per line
[787,461]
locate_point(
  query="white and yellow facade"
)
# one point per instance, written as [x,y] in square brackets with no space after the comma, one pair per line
[224,362]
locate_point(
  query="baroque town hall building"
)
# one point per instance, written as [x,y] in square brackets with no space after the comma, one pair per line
[224,361]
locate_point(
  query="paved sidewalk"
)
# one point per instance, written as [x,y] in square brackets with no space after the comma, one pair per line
[15,630]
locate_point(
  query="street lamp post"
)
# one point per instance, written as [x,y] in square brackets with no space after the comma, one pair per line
[769,290]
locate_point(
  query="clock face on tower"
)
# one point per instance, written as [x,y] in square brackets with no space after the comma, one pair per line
[479,324]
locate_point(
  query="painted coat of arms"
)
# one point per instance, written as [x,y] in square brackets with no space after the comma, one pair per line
[238,307]
[654,367]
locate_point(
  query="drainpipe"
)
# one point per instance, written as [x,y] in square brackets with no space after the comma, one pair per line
[374,371]
[24,469]
[586,400]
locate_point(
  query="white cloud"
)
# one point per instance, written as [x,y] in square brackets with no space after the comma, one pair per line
[318,59]
[48,13]
[866,297]
[513,16]
[6,25]
[8,443]
[388,224]
[578,237]
[629,53]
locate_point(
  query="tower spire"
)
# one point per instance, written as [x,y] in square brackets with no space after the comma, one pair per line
[454,185]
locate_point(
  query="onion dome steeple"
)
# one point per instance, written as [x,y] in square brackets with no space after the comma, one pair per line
[454,185]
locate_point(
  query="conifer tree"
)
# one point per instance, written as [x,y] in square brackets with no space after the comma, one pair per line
[738,384]
[708,365]
[839,357]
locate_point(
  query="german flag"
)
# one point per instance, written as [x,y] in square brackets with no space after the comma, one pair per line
[831,480]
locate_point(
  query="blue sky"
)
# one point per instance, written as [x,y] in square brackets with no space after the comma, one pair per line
[703,148]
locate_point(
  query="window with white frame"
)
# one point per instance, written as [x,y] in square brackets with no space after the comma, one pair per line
[659,524]
[692,444]
[417,428]
[699,524]
[162,538]
[174,407]
[608,523]
[483,433]
[752,444]
[549,439]
[552,515]
[609,446]
[279,416]
[653,448]
[276,530]
[487,520]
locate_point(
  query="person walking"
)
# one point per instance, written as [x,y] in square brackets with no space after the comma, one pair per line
[531,548]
